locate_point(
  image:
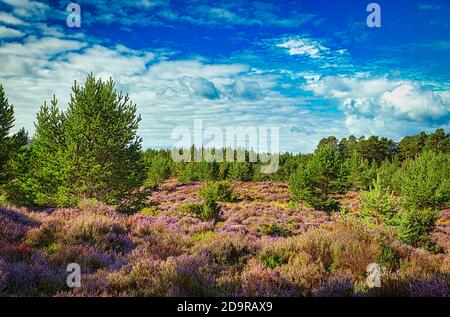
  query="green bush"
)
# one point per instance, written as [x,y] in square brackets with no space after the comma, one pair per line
[220,190]
[203,235]
[388,173]
[389,258]
[242,171]
[160,169]
[416,225]
[272,261]
[11,148]
[225,193]
[328,205]
[425,182]
[274,230]
[361,171]
[149,211]
[210,208]
[192,208]
[187,172]
[378,201]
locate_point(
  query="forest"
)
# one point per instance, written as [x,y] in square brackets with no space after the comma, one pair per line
[82,190]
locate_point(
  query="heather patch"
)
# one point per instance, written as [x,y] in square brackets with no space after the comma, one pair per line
[257,247]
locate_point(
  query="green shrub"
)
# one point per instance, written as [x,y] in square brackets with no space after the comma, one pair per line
[10,145]
[416,225]
[425,182]
[160,169]
[388,173]
[210,208]
[361,171]
[301,186]
[192,208]
[3,200]
[187,172]
[378,201]
[220,190]
[389,258]
[273,260]
[242,171]
[203,235]
[274,230]
[225,193]
[149,211]
[277,254]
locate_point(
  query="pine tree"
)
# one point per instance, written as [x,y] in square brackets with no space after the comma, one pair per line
[103,150]
[317,181]
[6,116]
[361,172]
[6,123]
[425,181]
[89,151]
[48,172]
[10,145]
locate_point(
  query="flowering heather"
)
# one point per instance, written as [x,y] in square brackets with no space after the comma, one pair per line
[259,246]
[263,191]
[13,225]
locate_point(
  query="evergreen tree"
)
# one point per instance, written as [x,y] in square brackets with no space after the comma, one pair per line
[48,180]
[378,201]
[317,181]
[361,172]
[102,149]
[6,116]
[425,181]
[160,168]
[242,171]
[411,146]
[438,142]
[9,145]
[6,123]
[89,151]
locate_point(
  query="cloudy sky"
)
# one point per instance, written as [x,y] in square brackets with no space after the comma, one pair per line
[311,68]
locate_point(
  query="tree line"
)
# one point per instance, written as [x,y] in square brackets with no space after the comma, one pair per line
[91,150]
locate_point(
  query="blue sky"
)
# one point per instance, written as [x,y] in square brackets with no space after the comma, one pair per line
[311,68]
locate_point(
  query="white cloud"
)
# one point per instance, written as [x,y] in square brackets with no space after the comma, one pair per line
[345,87]
[28,9]
[10,19]
[303,46]
[199,86]
[40,47]
[411,101]
[6,32]
[246,89]
[169,93]
[391,108]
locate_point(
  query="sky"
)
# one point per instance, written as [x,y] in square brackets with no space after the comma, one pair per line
[311,68]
